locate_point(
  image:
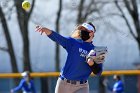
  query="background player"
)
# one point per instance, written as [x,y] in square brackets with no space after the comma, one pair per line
[26,84]
[118,86]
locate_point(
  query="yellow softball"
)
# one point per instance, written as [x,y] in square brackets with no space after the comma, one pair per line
[26,5]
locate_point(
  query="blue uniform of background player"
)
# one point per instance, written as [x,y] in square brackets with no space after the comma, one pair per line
[26,84]
[74,74]
[118,86]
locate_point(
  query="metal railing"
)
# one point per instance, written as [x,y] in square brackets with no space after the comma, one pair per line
[55,74]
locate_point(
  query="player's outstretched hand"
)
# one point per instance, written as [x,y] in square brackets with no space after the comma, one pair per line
[43,30]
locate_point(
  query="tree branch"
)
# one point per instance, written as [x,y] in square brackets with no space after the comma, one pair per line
[4,49]
[89,10]
[57,23]
[80,9]
[135,16]
[107,1]
[124,17]
[31,10]
[107,15]
[126,2]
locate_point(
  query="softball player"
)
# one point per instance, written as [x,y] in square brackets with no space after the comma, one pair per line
[74,74]
[26,84]
[118,86]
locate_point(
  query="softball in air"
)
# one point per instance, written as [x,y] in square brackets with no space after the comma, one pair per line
[26,5]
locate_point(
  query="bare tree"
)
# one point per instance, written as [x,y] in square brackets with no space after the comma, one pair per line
[23,20]
[10,49]
[3,49]
[44,85]
[132,8]
[85,11]
[80,9]
[57,49]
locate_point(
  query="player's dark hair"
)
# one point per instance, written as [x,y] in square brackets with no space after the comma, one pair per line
[84,35]
[118,77]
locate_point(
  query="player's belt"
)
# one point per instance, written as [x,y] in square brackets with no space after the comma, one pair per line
[72,81]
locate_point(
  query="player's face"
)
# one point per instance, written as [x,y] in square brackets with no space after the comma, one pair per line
[91,33]
[115,77]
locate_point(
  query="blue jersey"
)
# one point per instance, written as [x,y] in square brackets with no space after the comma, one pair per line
[118,87]
[75,67]
[28,88]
